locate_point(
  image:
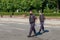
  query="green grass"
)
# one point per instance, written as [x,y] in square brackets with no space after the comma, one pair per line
[27,13]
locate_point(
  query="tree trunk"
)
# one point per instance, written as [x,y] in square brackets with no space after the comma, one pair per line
[57,7]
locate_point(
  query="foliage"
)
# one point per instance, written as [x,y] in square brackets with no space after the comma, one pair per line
[26,5]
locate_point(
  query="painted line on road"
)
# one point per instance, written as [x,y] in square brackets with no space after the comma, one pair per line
[20,29]
[1,24]
[49,25]
[20,23]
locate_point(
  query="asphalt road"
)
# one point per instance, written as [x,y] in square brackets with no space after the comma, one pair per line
[18,30]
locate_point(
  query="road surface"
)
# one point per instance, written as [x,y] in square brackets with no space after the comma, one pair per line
[18,29]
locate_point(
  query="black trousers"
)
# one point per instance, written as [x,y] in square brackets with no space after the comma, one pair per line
[32,28]
[42,26]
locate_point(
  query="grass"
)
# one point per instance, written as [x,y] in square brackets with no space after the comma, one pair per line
[27,14]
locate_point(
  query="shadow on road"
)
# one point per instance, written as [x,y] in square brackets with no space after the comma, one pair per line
[38,33]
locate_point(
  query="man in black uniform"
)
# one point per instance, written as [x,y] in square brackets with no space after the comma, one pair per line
[41,18]
[32,19]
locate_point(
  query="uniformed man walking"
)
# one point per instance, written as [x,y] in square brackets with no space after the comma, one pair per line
[41,18]
[32,19]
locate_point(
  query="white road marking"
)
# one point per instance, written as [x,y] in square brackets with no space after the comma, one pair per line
[8,30]
[49,25]
[5,30]
[37,25]
[20,23]
[20,29]
[1,24]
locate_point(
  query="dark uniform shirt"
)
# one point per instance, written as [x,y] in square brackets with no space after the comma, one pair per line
[32,18]
[42,18]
